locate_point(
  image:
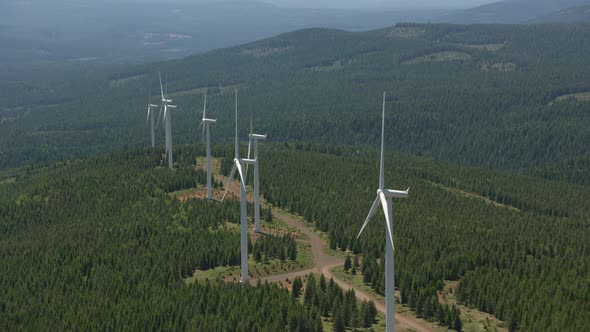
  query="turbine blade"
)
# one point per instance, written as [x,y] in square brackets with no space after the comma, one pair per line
[370,215]
[159,116]
[249,143]
[381,165]
[148,115]
[237,153]
[166,87]
[242,178]
[161,89]
[205,104]
[386,212]
[229,180]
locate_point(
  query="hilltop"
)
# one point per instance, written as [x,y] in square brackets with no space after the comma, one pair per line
[482,95]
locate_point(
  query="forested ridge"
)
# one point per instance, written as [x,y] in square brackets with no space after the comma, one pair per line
[99,244]
[480,95]
[522,255]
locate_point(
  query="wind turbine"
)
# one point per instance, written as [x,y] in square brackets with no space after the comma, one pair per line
[254,138]
[167,120]
[239,165]
[205,123]
[150,118]
[384,196]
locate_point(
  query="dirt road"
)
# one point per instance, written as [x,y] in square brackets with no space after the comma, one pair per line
[324,263]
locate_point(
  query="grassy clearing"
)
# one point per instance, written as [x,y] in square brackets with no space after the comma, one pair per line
[582,96]
[498,66]
[262,269]
[439,57]
[406,32]
[7,180]
[473,320]
[264,52]
[475,196]
[201,90]
[485,47]
[357,282]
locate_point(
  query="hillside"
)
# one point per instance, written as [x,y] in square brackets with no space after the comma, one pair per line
[100,242]
[39,34]
[569,15]
[509,11]
[481,95]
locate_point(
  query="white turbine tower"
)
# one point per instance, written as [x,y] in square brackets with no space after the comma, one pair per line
[254,138]
[150,118]
[238,164]
[384,196]
[167,120]
[205,122]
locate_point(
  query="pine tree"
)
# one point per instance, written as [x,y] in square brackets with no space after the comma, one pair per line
[347,263]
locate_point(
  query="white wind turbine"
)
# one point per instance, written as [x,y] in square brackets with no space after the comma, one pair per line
[238,164]
[167,120]
[150,118]
[254,138]
[384,196]
[205,123]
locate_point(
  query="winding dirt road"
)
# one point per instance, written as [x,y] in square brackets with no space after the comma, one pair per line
[324,263]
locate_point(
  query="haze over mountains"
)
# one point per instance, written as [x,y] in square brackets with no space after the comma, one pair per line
[75,34]
[510,11]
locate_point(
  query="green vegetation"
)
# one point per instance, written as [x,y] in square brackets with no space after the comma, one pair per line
[492,108]
[508,256]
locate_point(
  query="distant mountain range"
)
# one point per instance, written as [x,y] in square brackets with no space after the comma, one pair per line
[513,12]
[569,15]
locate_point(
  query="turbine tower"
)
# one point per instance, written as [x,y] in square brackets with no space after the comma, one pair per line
[205,122]
[150,118]
[167,120]
[238,164]
[384,196]
[254,138]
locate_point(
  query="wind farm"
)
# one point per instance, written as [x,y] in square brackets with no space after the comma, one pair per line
[253,213]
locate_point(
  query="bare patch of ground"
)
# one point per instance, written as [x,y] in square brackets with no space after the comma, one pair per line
[475,196]
[210,90]
[406,32]
[473,319]
[268,51]
[485,47]
[582,96]
[498,66]
[439,57]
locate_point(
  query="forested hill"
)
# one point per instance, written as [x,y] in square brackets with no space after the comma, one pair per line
[100,243]
[569,15]
[503,96]
[510,11]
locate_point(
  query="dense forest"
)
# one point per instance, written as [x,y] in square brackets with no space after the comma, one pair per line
[489,128]
[482,95]
[519,245]
[100,244]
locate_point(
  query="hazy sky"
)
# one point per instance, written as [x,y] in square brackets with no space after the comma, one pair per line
[394,4]
[343,4]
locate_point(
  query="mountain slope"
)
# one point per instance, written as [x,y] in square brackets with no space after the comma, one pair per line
[569,15]
[509,11]
[74,33]
[482,95]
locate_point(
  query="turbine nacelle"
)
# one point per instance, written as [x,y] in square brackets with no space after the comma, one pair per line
[257,137]
[205,120]
[394,193]
[248,161]
[152,105]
